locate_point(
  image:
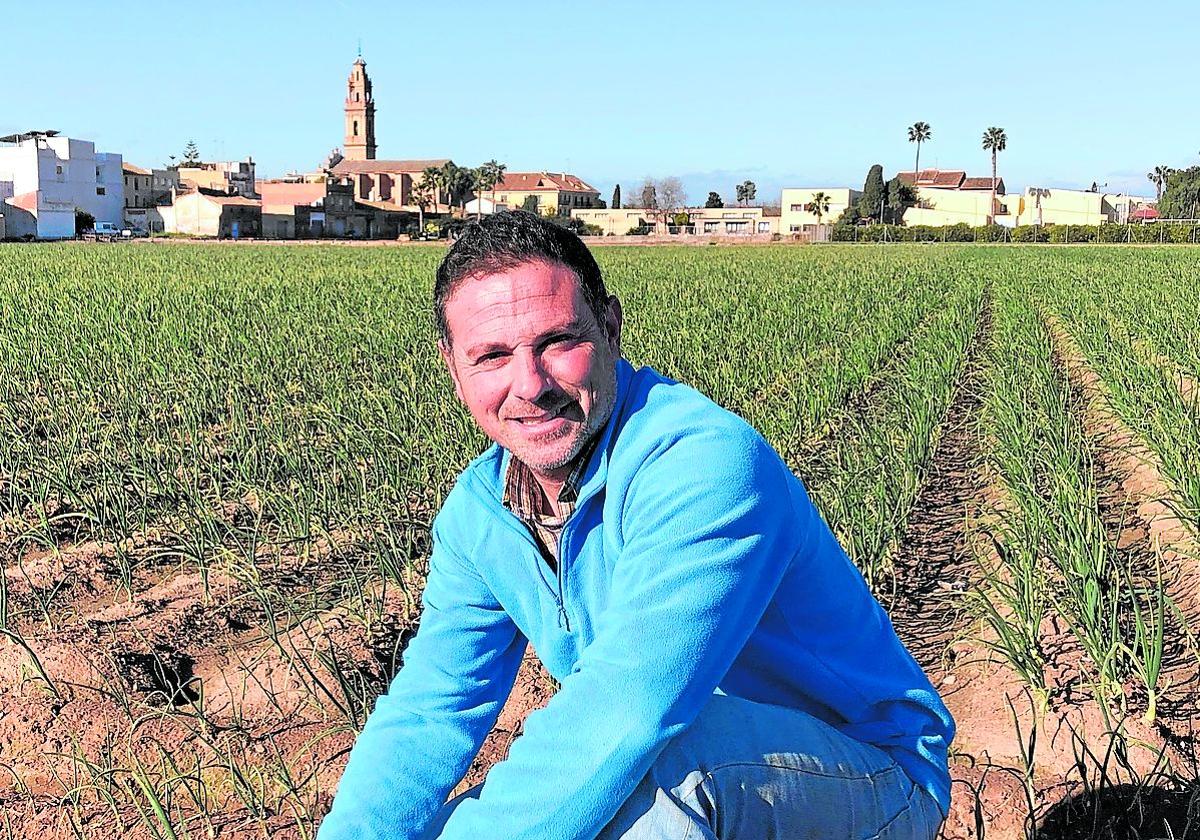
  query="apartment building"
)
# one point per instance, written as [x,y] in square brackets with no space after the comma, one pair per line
[46,178]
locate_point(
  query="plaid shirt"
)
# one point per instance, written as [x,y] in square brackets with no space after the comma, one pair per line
[524,497]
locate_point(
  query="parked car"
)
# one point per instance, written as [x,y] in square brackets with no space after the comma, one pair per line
[103,231]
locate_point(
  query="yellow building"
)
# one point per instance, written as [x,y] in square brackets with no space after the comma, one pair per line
[797,218]
[199,214]
[556,193]
[949,197]
[938,207]
[234,177]
[1054,206]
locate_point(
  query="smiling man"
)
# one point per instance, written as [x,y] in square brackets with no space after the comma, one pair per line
[725,673]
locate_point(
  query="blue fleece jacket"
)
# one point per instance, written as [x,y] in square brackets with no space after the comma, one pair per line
[694,562]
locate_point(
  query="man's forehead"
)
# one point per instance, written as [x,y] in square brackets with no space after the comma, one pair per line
[515,283]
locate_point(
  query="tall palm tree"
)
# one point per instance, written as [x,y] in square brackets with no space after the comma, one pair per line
[438,179]
[1159,178]
[498,169]
[994,141]
[819,205]
[918,133]
[423,193]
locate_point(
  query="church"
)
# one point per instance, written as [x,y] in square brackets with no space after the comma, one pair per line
[382,184]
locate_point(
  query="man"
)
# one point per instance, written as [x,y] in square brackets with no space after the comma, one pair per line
[724,671]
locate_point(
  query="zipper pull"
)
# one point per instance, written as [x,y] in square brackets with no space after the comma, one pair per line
[562,617]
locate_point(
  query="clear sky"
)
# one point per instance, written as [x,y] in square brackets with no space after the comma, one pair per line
[785,93]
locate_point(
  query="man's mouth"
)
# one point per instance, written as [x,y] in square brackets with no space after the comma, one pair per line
[542,418]
[538,419]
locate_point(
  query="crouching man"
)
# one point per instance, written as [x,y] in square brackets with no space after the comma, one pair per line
[725,673]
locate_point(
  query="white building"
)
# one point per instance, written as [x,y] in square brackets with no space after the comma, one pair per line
[45,179]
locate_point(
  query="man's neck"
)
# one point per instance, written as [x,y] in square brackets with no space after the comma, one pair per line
[552,485]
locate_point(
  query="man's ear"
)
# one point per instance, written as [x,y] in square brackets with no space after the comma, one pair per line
[612,324]
[447,354]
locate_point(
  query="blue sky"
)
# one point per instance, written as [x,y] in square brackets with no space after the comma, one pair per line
[784,93]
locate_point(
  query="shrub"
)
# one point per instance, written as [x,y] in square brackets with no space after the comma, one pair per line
[1029,233]
[1182,233]
[960,232]
[990,233]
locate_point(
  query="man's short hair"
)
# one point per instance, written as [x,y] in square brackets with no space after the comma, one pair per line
[508,239]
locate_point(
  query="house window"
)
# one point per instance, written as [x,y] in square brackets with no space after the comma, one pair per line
[797,208]
[710,227]
[764,227]
[736,227]
[794,229]
[58,169]
[99,190]
[356,128]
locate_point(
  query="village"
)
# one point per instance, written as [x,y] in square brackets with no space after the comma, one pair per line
[58,187]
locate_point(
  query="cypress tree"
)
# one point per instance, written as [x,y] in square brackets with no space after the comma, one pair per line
[616,202]
[874,194]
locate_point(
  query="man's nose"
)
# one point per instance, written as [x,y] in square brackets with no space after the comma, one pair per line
[530,380]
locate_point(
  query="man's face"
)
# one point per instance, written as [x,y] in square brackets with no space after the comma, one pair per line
[531,363]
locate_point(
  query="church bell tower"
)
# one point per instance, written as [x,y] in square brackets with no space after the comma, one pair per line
[360,114]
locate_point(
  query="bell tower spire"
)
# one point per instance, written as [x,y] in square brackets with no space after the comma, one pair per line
[360,114]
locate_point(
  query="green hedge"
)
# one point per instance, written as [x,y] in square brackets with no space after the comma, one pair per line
[1059,234]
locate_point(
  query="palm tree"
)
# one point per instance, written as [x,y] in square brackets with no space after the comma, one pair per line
[423,193]
[487,176]
[819,205]
[1159,178]
[498,169]
[458,181]
[437,177]
[994,141]
[918,133]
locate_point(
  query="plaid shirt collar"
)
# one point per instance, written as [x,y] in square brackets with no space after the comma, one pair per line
[523,495]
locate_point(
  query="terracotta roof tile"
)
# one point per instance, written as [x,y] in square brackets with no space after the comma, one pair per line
[233,200]
[943,179]
[134,170]
[549,181]
[981,184]
[388,206]
[361,167]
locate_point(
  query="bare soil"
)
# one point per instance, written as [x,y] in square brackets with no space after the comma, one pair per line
[107,671]
[1019,770]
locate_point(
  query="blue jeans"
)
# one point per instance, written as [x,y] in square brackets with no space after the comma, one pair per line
[750,771]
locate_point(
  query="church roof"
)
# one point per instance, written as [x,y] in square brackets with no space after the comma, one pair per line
[368,167]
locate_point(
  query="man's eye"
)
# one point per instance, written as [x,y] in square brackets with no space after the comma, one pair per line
[488,358]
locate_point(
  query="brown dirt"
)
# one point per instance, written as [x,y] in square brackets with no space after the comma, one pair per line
[1150,537]
[173,666]
[533,689]
[937,562]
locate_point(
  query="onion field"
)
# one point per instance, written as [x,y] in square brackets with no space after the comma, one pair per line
[219,465]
